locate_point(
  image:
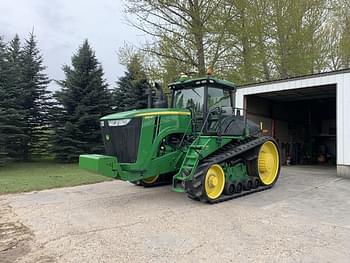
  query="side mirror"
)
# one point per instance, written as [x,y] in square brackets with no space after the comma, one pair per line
[161,100]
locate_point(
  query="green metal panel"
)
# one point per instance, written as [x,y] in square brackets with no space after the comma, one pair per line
[148,163]
[236,173]
[145,113]
[102,164]
[199,149]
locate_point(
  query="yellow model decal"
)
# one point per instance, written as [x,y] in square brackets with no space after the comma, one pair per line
[163,113]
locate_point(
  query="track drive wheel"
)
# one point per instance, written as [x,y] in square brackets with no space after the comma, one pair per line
[268,163]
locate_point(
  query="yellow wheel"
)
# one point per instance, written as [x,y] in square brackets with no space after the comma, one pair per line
[268,163]
[214,181]
[150,180]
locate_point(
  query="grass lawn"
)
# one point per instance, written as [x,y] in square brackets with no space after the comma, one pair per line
[25,177]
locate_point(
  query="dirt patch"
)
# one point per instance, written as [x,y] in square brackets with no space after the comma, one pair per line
[15,238]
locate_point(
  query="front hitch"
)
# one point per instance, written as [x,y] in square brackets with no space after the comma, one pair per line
[101,164]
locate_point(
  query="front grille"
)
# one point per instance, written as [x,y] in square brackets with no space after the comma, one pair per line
[122,141]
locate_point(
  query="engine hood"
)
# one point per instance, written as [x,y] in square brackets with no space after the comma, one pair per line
[145,112]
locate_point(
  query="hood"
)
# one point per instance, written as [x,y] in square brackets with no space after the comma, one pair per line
[145,112]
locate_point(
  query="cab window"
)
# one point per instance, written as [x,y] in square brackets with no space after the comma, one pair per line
[218,98]
[190,98]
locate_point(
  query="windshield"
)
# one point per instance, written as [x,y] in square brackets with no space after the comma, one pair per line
[190,98]
[218,98]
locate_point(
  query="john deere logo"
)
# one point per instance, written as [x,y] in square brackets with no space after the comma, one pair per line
[107,137]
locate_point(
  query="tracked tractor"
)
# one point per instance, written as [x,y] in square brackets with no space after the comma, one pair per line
[201,144]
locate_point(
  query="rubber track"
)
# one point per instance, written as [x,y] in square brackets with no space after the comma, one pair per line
[224,198]
[227,152]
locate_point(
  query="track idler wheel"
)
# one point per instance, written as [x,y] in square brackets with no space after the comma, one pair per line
[214,182]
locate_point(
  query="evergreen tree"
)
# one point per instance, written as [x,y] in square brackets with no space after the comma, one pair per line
[12,117]
[3,150]
[16,113]
[36,99]
[84,98]
[131,92]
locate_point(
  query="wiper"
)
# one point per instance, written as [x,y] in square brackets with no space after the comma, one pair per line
[195,92]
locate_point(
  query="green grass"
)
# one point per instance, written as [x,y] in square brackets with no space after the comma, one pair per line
[25,177]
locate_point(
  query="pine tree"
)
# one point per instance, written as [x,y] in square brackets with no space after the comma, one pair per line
[12,117]
[84,98]
[15,107]
[3,150]
[132,88]
[36,101]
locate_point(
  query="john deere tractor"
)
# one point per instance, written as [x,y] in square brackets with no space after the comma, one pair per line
[201,144]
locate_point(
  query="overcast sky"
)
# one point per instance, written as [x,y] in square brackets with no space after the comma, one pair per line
[62,25]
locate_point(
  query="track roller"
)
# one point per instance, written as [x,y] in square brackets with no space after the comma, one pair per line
[238,187]
[256,183]
[248,185]
[229,189]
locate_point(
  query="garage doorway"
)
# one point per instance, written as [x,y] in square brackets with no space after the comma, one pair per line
[302,121]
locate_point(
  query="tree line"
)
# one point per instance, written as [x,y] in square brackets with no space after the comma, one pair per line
[243,40]
[37,124]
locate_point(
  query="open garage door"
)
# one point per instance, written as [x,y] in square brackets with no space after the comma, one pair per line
[303,122]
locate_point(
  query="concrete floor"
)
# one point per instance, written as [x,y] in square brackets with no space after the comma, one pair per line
[304,218]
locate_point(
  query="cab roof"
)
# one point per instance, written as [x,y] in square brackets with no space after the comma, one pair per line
[188,83]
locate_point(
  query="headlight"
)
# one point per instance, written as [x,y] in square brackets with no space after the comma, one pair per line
[118,122]
[102,123]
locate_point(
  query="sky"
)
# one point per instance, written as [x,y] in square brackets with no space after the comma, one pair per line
[61,26]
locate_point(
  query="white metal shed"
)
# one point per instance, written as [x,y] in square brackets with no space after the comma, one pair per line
[304,87]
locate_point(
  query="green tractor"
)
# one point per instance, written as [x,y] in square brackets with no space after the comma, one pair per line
[202,144]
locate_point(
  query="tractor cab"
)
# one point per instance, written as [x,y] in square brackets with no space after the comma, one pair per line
[212,105]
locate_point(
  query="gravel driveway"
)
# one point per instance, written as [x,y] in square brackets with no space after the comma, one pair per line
[304,218]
